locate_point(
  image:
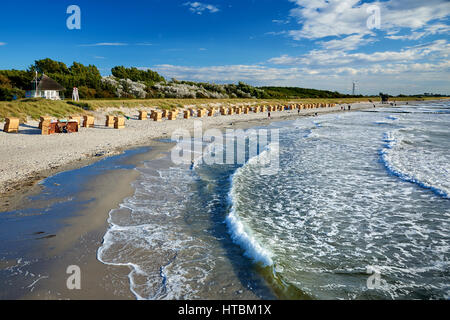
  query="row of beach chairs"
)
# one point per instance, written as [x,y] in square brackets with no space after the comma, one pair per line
[210,112]
[49,126]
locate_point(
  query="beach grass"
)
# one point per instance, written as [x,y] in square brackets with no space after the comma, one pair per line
[34,108]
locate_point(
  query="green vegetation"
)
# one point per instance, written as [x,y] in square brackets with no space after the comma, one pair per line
[299,93]
[149,77]
[7,91]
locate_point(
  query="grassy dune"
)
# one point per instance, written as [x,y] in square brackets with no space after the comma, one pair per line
[34,108]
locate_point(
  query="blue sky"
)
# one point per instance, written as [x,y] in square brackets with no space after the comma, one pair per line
[307,43]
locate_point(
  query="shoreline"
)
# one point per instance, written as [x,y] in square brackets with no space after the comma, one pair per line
[25,181]
[29,157]
[70,230]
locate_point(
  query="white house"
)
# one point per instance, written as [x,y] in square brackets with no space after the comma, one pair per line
[45,87]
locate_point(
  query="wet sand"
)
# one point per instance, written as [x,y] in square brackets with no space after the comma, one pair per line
[76,239]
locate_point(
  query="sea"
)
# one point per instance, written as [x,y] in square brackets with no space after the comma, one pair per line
[356,207]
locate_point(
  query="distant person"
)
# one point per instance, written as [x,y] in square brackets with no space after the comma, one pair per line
[269,114]
[349,107]
[374,106]
[298,111]
[315,114]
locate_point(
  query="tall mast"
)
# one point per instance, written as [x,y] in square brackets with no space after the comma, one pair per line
[35,85]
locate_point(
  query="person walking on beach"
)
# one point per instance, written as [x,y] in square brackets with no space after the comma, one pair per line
[349,107]
[269,115]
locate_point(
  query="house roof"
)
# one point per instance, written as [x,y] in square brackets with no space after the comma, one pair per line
[46,83]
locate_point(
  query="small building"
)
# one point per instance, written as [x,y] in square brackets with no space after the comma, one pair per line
[46,88]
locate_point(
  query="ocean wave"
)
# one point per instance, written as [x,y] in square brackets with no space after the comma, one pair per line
[240,233]
[165,260]
[413,172]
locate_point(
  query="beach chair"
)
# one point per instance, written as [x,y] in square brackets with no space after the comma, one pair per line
[109,121]
[157,116]
[42,119]
[72,126]
[75,118]
[119,122]
[143,115]
[88,122]
[173,115]
[11,125]
[49,127]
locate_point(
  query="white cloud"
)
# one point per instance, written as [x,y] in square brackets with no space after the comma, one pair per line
[2,43]
[323,18]
[437,49]
[275,33]
[104,44]
[437,28]
[348,43]
[280,21]
[199,7]
[229,73]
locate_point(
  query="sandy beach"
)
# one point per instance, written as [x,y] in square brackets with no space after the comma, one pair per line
[28,157]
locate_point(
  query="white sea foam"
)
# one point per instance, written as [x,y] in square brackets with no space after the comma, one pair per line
[239,231]
[166,262]
[332,208]
[409,157]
